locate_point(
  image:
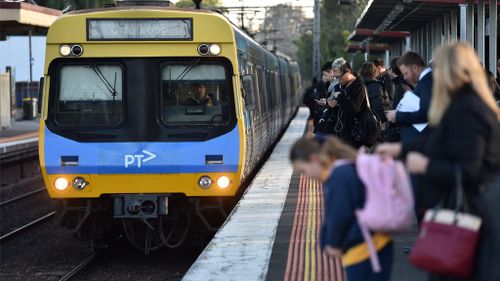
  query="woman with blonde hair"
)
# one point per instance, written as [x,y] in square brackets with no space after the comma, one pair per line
[332,161]
[464,118]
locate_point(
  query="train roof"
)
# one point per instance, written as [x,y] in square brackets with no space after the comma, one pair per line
[227,30]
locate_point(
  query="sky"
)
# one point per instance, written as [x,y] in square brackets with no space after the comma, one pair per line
[15,52]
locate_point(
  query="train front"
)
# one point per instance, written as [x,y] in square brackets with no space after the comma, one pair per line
[140,114]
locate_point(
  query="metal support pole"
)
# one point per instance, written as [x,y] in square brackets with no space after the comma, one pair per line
[316,56]
[446,28]
[480,30]
[470,22]
[453,25]
[493,37]
[31,57]
[408,44]
[463,22]
[367,53]
[421,41]
[387,58]
[429,46]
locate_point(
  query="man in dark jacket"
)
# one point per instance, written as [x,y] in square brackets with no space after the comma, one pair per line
[413,68]
[309,98]
[401,86]
[385,76]
[414,71]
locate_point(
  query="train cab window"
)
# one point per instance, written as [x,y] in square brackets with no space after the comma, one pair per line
[90,95]
[195,93]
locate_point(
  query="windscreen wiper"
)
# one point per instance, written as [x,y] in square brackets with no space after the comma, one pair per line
[187,69]
[107,84]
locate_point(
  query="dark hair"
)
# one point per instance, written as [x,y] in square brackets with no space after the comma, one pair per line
[411,58]
[327,148]
[327,66]
[378,62]
[304,148]
[395,67]
[367,70]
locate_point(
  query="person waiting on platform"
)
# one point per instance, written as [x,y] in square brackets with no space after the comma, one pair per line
[333,162]
[201,97]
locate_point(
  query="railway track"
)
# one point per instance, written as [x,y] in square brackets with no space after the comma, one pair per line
[18,230]
[20,197]
[79,267]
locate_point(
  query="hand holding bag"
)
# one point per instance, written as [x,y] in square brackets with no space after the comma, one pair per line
[448,238]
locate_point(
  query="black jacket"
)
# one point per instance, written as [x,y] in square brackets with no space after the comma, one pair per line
[389,86]
[375,94]
[423,90]
[351,102]
[468,135]
[400,88]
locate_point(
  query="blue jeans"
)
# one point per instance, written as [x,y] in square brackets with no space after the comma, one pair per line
[363,271]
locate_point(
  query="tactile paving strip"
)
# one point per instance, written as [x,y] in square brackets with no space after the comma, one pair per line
[296,254]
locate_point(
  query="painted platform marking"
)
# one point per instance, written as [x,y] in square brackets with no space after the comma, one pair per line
[306,261]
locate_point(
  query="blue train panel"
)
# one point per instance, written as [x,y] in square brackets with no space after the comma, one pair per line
[65,156]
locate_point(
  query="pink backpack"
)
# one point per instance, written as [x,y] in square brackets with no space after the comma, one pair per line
[389,198]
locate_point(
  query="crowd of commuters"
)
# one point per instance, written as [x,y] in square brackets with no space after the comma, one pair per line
[441,120]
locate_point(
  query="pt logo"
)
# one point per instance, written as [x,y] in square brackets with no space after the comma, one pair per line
[138,159]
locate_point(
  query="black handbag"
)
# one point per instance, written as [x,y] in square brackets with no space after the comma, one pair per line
[488,256]
[367,128]
[326,125]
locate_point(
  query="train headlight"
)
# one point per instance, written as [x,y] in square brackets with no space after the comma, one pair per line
[215,49]
[79,183]
[61,183]
[65,50]
[205,182]
[223,182]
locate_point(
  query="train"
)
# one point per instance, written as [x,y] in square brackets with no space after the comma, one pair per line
[153,116]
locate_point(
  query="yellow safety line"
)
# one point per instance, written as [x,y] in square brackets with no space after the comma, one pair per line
[314,226]
[308,236]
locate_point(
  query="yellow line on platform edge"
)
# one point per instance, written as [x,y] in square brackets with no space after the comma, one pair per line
[314,228]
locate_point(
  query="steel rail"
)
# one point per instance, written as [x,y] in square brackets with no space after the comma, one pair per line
[17,198]
[79,267]
[26,226]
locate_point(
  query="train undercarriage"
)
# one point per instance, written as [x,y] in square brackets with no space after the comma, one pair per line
[148,221]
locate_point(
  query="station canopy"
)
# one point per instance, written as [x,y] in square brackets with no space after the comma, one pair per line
[372,48]
[17,18]
[388,21]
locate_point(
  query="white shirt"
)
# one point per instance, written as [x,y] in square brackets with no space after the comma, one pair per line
[425,72]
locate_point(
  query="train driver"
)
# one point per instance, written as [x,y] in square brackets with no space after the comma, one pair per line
[201,97]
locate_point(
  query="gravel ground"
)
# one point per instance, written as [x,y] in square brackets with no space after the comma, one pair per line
[125,263]
[25,210]
[48,251]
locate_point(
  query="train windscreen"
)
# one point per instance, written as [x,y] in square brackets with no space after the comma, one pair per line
[195,92]
[90,95]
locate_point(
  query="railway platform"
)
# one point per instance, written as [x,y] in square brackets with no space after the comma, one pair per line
[21,135]
[273,232]
[19,151]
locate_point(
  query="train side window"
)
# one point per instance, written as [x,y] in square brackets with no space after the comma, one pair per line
[90,95]
[249,91]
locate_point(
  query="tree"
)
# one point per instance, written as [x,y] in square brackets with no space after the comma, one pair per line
[337,21]
[281,27]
